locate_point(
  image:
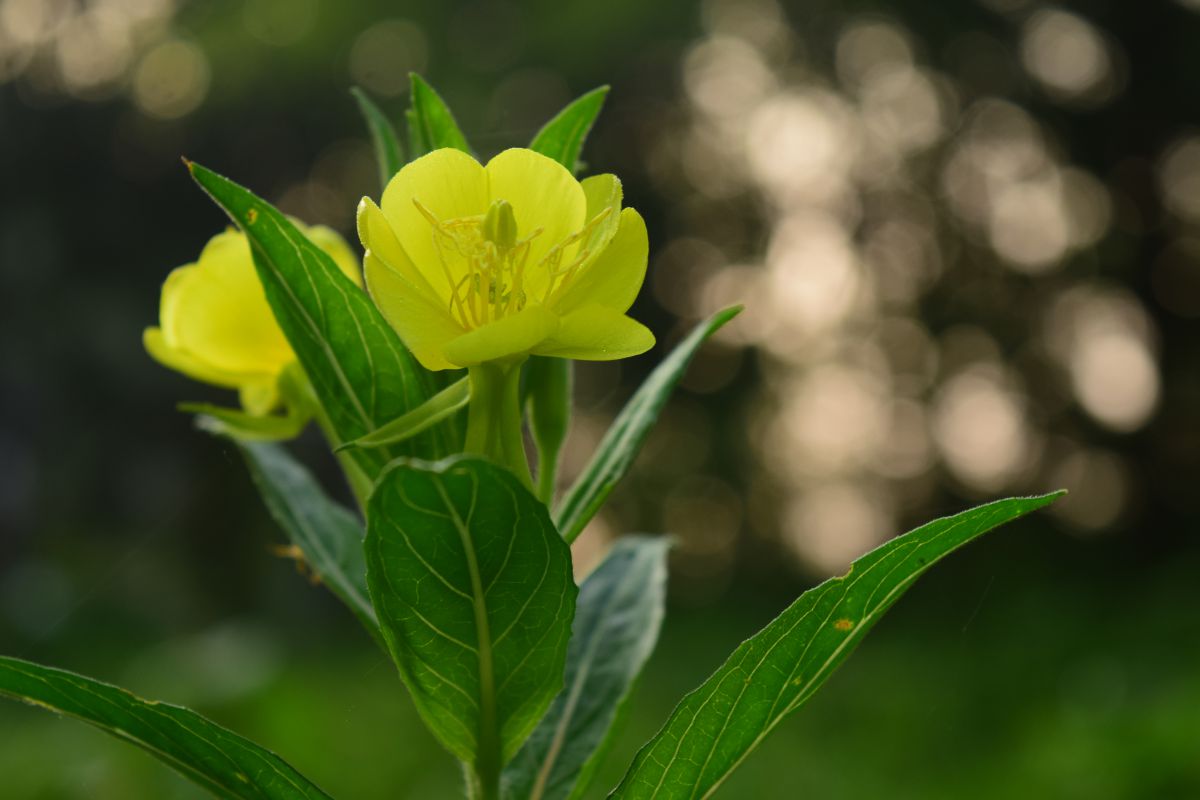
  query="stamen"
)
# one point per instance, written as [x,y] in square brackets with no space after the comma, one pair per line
[486,278]
[554,257]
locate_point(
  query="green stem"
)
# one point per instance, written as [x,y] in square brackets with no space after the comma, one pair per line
[494,417]
[360,484]
[298,390]
[547,479]
[548,383]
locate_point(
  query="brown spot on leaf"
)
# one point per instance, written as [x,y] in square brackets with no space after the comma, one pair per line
[252,216]
[843,625]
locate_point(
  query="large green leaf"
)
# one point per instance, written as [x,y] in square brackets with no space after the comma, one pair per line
[474,592]
[624,438]
[617,617]
[431,125]
[360,371]
[329,536]
[562,137]
[773,673]
[389,155]
[224,763]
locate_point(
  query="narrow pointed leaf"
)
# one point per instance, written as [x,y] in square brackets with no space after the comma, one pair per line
[624,438]
[474,592]
[773,673]
[360,371]
[250,427]
[389,154]
[431,125]
[562,137]
[329,536]
[449,401]
[617,618]
[217,759]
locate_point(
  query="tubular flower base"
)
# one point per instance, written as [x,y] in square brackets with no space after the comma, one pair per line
[473,264]
[216,326]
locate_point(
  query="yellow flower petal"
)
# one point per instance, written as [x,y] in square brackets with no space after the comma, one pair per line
[181,361]
[378,237]
[215,310]
[216,325]
[423,324]
[450,184]
[544,195]
[513,336]
[603,193]
[615,277]
[596,333]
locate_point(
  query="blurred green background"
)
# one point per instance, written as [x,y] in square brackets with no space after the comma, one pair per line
[968,239]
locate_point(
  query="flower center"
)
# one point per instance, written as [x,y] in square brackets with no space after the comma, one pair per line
[486,263]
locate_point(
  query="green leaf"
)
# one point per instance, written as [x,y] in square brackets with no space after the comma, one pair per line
[773,673]
[329,536]
[562,137]
[219,760]
[360,371]
[437,408]
[389,155]
[474,591]
[624,438]
[617,617]
[250,427]
[431,126]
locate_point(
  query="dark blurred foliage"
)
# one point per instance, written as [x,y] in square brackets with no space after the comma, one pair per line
[1058,657]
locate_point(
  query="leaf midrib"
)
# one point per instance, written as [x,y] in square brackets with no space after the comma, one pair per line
[539,787]
[488,756]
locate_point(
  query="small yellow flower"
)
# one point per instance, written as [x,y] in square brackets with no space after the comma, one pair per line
[473,264]
[216,325]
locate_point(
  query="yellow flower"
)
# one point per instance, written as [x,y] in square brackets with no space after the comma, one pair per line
[216,325]
[473,264]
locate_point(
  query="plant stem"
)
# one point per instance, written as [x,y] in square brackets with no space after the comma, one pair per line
[549,388]
[494,417]
[298,389]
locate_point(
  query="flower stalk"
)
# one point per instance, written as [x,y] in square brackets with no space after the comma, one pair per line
[494,416]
